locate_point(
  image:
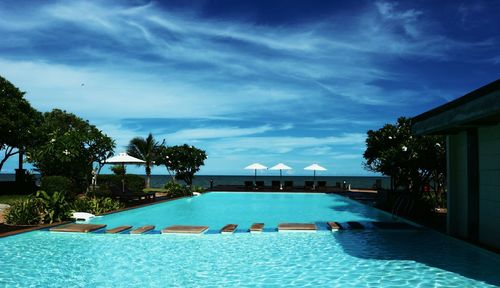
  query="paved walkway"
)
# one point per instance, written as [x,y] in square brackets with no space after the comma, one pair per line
[2,210]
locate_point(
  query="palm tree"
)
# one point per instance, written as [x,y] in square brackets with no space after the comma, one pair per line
[146,150]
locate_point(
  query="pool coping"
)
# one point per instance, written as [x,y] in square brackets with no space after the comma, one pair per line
[32,228]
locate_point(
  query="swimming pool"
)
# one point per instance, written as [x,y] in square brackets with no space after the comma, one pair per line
[371,258]
[218,209]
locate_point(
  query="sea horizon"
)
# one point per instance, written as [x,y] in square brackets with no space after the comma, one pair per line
[159,180]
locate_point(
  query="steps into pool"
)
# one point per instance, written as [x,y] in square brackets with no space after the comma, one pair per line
[256,228]
[81,228]
[180,229]
[296,227]
[228,229]
[142,229]
[118,229]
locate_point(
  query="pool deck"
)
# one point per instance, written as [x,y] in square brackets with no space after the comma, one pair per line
[79,228]
[142,229]
[256,228]
[118,229]
[296,227]
[228,229]
[333,226]
[182,229]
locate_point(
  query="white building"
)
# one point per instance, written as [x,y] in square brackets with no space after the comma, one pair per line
[472,127]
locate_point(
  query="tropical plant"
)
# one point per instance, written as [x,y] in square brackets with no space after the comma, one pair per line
[145,149]
[118,170]
[69,146]
[54,207]
[18,121]
[184,160]
[96,205]
[175,190]
[51,184]
[24,212]
[195,188]
[134,183]
[412,162]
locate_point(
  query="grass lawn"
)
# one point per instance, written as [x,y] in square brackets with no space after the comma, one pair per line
[8,199]
[161,190]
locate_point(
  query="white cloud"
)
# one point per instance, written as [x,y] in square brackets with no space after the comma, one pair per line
[215,132]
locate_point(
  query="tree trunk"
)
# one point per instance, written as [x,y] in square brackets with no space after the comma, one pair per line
[148,177]
[7,154]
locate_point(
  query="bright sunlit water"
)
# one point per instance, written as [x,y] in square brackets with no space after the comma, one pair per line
[370,258]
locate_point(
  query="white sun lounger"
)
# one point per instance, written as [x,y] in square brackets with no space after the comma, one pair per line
[82,216]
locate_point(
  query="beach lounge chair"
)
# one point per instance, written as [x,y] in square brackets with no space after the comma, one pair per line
[259,184]
[309,185]
[248,185]
[321,185]
[288,185]
[276,185]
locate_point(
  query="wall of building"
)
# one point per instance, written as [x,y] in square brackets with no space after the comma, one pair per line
[457,184]
[489,185]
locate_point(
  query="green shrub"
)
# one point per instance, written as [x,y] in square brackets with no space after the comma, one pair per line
[102,191]
[24,212]
[51,184]
[118,170]
[96,205]
[54,207]
[176,190]
[195,188]
[133,183]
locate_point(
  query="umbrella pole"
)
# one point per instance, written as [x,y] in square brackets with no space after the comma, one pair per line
[123,178]
[314,180]
[281,180]
[255,180]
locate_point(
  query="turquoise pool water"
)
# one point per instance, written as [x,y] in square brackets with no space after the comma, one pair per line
[370,258]
[218,209]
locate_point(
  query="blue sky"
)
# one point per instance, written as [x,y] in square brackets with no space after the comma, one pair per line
[249,81]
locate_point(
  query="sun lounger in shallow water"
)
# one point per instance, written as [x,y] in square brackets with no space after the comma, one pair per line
[296,227]
[228,229]
[118,229]
[179,229]
[257,227]
[334,226]
[142,229]
[82,228]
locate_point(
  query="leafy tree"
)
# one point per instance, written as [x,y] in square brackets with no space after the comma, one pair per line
[184,160]
[18,121]
[411,161]
[145,149]
[68,147]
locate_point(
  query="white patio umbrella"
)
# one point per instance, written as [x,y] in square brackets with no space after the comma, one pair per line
[256,166]
[315,167]
[280,167]
[124,158]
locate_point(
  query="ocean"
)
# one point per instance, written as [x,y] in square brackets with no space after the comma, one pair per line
[204,180]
